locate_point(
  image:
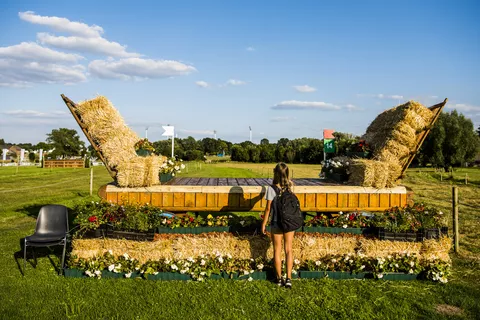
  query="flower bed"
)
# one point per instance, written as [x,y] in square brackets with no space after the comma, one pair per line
[335,230]
[193,230]
[218,266]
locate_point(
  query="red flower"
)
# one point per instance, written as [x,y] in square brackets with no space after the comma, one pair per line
[351,217]
[92,219]
[191,219]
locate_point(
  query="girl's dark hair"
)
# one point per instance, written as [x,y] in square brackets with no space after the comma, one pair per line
[281,176]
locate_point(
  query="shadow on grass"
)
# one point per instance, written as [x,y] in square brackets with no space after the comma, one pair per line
[37,252]
[33,210]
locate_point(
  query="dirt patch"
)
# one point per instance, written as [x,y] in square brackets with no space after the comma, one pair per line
[448,310]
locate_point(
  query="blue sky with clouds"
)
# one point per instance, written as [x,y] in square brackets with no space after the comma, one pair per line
[285,68]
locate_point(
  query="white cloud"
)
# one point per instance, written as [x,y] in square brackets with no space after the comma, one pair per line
[305,105]
[282,119]
[96,45]
[202,84]
[463,107]
[137,68]
[250,49]
[233,82]
[382,96]
[31,51]
[62,25]
[15,73]
[305,88]
[352,107]
[35,114]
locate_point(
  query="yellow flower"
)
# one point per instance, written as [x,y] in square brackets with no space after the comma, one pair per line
[210,223]
[209,216]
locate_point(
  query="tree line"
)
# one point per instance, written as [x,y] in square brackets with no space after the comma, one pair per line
[453,141]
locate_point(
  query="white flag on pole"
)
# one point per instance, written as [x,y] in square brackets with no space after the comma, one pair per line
[169,131]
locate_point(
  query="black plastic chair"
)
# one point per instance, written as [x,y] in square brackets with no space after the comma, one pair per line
[51,230]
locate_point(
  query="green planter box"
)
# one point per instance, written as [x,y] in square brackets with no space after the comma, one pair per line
[400,276]
[165,177]
[74,273]
[196,230]
[167,276]
[128,235]
[334,275]
[335,230]
[337,177]
[143,152]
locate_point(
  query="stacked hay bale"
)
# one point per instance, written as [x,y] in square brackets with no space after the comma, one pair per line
[107,128]
[393,136]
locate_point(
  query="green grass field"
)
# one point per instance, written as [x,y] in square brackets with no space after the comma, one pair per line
[42,294]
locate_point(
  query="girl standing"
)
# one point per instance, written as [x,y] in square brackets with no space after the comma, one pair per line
[281,183]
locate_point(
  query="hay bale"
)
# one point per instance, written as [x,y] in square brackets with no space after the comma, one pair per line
[383,248]
[368,173]
[139,172]
[116,141]
[437,249]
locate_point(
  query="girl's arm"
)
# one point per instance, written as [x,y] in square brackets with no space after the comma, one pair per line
[266,215]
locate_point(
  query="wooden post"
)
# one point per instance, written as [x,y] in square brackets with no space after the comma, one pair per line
[466,178]
[455,218]
[91,181]
[18,164]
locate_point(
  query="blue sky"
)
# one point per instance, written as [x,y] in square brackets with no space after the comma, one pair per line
[285,68]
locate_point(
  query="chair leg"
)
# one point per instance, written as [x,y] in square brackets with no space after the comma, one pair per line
[63,256]
[25,256]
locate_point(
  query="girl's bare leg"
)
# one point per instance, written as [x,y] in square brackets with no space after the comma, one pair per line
[277,253]
[288,239]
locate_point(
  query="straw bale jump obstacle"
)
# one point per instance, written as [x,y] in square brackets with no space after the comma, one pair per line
[396,135]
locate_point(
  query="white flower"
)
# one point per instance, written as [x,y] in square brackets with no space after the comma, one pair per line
[88,273]
[389,257]
[331,170]
[362,267]
[126,256]
[110,252]
[173,174]
[318,263]
[250,278]
[410,271]
[294,271]
[242,222]
[440,212]
[174,267]
[202,273]
[220,259]
[412,263]
[334,260]
[167,261]
[347,163]
[183,271]
[344,226]
[128,275]
[199,279]
[182,166]
[380,275]
[202,263]
[229,256]
[296,261]
[260,266]
[341,212]
[245,272]
[350,261]
[396,265]
[155,273]
[111,267]
[164,221]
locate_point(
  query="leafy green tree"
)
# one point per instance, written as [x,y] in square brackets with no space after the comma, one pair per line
[264,142]
[451,142]
[254,154]
[163,147]
[191,155]
[240,153]
[2,142]
[478,131]
[31,157]
[189,143]
[343,141]
[42,145]
[66,142]
[267,153]
[210,145]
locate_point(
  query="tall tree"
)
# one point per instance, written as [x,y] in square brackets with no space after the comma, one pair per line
[451,142]
[478,131]
[66,142]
